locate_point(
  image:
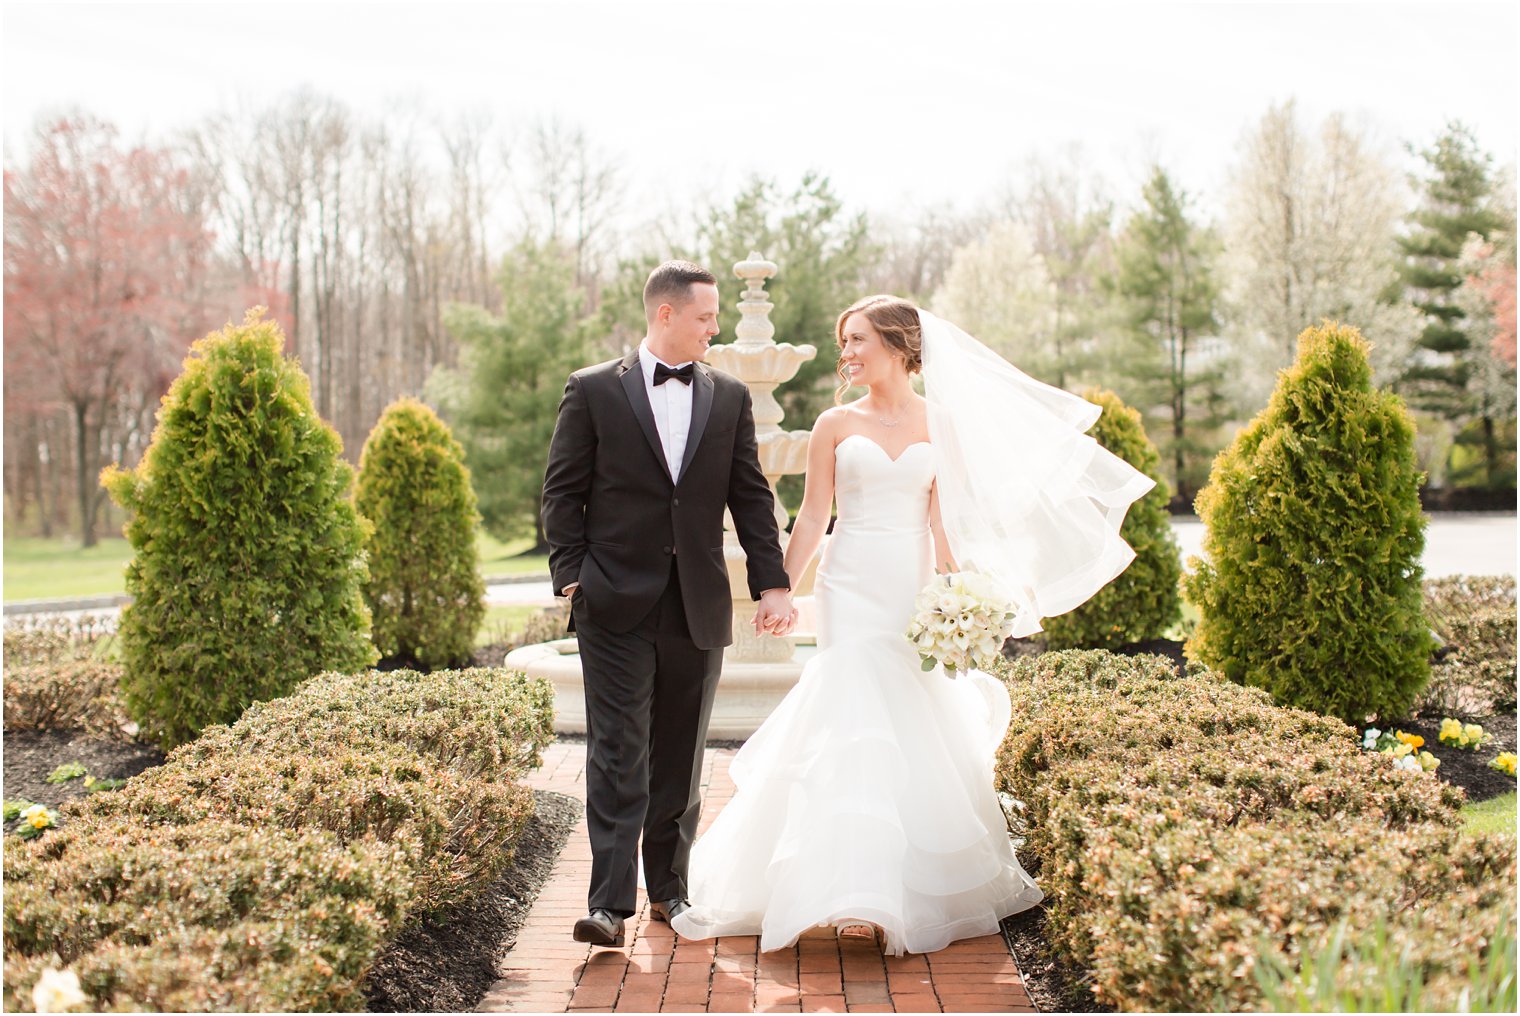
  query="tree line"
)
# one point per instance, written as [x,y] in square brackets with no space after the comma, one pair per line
[475,266]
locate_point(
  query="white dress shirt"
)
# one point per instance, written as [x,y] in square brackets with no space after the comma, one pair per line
[671,403]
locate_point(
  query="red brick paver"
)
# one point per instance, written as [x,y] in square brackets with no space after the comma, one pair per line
[546,971]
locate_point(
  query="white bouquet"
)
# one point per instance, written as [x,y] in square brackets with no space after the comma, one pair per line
[961,621]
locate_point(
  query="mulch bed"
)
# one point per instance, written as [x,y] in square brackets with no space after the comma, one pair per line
[30,755]
[1469,769]
[1052,983]
[447,962]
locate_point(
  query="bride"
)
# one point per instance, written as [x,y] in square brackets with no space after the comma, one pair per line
[866,801]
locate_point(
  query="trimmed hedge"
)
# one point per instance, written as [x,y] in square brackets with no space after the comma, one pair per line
[68,695]
[424,589]
[264,866]
[1181,825]
[206,916]
[1474,673]
[57,676]
[1143,602]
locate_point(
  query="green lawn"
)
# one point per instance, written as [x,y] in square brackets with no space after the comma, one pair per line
[503,621]
[38,569]
[499,559]
[1495,815]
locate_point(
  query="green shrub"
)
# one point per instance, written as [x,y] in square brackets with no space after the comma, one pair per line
[1181,826]
[205,916]
[1142,603]
[1311,587]
[424,589]
[1475,670]
[248,553]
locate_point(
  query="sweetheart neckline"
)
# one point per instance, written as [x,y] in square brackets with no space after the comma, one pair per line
[911,445]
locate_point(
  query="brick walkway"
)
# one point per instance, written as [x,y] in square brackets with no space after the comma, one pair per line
[656,972]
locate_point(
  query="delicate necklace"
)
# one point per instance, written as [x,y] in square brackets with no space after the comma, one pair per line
[885,422]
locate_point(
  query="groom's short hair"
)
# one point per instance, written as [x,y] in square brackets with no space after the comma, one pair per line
[671,283]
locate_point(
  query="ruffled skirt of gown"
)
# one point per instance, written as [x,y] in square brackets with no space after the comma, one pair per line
[868,793]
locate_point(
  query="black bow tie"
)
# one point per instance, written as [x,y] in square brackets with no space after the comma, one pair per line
[663,373]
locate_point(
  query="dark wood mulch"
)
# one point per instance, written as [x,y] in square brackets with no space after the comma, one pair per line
[491,655]
[30,755]
[1053,984]
[1469,769]
[447,961]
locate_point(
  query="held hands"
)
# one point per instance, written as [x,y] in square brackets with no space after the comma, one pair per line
[775,615]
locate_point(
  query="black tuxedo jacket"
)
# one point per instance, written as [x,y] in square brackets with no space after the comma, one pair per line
[613,516]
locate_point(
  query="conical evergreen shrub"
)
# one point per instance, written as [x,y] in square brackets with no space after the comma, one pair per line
[1314,534]
[1143,601]
[424,590]
[248,553]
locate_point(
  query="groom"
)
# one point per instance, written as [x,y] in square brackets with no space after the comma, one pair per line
[646,454]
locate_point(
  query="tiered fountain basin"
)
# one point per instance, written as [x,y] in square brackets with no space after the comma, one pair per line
[747,692]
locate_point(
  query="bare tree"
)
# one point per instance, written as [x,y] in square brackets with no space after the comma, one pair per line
[999,289]
[1309,234]
[1068,216]
[570,194]
[917,248]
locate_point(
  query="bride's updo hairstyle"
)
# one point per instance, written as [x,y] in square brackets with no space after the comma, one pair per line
[896,321]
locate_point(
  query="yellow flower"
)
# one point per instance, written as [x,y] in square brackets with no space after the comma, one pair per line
[1413,740]
[1504,762]
[1472,734]
[40,822]
[1428,762]
[1401,749]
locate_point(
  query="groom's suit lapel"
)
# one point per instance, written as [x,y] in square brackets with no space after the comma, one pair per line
[632,377]
[701,407]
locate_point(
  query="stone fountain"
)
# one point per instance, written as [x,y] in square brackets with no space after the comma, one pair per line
[758,670]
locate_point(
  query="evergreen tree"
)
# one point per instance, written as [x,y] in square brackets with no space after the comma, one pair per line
[1455,203]
[502,398]
[1167,293]
[1142,603]
[424,590]
[1311,589]
[248,552]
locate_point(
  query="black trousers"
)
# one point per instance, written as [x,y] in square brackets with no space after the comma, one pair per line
[649,696]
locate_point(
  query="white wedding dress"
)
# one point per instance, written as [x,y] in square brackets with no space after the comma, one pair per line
[868,793]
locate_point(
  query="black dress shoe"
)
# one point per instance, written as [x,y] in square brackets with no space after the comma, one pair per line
[600,927]
[664,910]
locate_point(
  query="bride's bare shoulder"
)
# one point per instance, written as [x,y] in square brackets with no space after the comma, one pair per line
[831,422]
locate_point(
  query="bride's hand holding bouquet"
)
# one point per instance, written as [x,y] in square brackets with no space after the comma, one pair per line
[960,622]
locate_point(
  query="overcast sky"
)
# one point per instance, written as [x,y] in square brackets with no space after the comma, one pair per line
[902,105]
